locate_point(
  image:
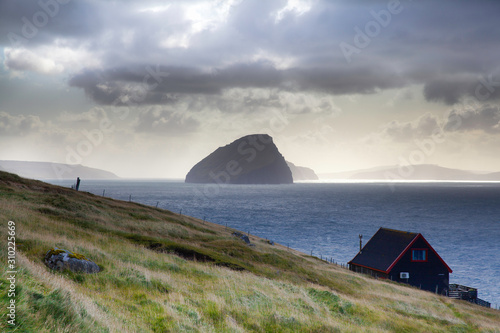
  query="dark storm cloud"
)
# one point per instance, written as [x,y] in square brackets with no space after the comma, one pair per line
[483,118]
[446,46]
[338,81]
[486,119]
[32,23]
[152,85]
[156,83]
[451,89]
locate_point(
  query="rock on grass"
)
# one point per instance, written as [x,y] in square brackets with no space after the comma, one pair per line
[60,260]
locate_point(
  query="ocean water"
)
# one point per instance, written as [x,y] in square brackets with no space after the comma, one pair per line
[460,220]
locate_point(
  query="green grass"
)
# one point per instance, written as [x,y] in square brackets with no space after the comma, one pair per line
[162,272]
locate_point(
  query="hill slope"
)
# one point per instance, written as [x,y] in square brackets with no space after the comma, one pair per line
[163,272]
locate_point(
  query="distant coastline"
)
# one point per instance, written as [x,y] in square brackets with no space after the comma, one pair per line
[421,172]
[48,170]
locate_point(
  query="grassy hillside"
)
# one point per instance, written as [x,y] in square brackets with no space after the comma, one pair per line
[162,272]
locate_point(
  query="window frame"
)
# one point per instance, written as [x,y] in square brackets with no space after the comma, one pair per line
[426,255]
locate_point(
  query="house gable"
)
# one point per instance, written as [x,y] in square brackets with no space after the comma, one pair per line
[422,267]
[383,249]
[420,243]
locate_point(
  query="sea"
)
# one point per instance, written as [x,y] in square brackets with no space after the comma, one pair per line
[461,220]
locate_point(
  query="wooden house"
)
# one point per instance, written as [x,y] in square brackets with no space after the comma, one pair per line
[403,257]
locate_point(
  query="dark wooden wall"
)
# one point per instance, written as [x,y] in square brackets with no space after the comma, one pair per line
[424,275]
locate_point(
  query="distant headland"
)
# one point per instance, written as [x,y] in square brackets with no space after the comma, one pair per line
[47,170]
[417,172]
[302,173]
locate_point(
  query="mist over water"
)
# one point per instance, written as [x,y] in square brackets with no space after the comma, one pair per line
[460,220]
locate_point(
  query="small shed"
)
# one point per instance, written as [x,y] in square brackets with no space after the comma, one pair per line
[404,257]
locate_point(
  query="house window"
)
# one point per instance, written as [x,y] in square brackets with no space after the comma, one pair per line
[419,255]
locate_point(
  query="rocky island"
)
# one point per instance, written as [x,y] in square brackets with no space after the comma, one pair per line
[252,159]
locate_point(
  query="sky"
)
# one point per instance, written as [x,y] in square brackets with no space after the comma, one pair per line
[148,88]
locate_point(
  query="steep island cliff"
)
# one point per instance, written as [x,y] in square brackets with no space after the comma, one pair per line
[302,173]
[252,159]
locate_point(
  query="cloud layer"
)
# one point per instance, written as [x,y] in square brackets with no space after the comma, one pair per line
[291,45]
[18,125]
